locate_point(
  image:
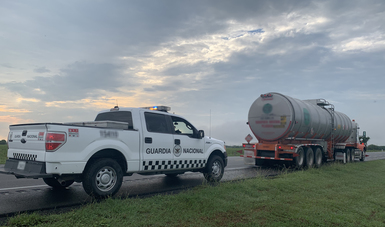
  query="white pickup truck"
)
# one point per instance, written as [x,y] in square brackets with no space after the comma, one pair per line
[120,142]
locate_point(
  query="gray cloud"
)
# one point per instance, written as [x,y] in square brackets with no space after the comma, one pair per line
[5,65]
[41,70]
[299,55]
[77,81]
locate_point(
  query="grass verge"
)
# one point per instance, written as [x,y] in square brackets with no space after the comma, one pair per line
[232,151]
[375,150]
[3,153]
[334,195]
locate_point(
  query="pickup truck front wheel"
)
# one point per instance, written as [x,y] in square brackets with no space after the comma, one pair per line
[102,178]
[214,169]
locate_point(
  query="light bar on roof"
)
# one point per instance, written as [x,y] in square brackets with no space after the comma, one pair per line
[159,108]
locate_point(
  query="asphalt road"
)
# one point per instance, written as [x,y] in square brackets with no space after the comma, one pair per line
[20,195]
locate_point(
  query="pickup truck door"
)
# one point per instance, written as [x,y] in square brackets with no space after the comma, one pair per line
[157,143]
[187,140]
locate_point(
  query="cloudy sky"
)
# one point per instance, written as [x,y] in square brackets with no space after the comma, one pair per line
[64,61]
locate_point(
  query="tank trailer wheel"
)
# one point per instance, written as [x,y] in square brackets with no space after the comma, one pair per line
[54,183]
[299,160]
[352,155]
[102,178]
[214,169]
[362,156]
[309,157]
[318,157]
[347,155]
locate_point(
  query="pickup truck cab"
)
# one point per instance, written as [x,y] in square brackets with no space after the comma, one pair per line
[120,142]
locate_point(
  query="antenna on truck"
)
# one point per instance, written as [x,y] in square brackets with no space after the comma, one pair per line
[210,125]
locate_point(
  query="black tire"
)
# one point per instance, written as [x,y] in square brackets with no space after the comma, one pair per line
[102,178]
[309,157]
[299,160]
[348,155]
[318,157]
[214,169]
[352,155]
[54,183]
[362,156]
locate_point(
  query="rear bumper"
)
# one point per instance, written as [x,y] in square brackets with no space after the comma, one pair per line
[25,169]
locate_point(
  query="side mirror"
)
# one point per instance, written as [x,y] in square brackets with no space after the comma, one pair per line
[201,134]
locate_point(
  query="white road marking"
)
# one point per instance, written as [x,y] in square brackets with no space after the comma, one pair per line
[24,187]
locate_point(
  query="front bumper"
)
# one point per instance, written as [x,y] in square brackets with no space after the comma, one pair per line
[25,169]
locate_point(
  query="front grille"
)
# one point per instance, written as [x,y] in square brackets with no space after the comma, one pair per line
[29,157]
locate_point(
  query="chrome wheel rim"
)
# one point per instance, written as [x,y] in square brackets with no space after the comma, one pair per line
[216,169]
[300,157]
[106,179]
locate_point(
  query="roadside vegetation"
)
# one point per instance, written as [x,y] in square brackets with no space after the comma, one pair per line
[3,153]
[232,150]
[375,148]
[334,195]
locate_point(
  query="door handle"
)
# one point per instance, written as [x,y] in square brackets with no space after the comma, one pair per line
[177,141]
[148,140]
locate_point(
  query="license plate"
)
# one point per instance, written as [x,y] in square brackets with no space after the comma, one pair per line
[21,165]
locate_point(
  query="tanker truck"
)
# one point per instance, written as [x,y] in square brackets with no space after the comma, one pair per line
[304,133]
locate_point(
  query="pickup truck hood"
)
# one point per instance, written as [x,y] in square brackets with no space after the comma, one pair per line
[214,141]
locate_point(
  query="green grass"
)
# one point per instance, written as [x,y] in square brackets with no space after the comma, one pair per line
[334,195]
[375,150]
[3,153]
[232,151]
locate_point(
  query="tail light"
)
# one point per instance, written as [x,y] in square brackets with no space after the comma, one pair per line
[54,140]
[10,134]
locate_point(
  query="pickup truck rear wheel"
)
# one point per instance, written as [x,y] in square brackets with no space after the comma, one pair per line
[214,169]
[102,178]
[54,183]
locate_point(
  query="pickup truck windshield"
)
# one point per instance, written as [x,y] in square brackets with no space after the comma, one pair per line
[121,116]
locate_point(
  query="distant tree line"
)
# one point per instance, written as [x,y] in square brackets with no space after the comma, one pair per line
[375,147]
[2,142]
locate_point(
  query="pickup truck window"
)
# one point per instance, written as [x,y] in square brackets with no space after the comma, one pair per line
[121,116]
[183,127]
[156,123]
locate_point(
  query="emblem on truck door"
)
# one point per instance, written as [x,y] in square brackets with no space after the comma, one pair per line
[177,150]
